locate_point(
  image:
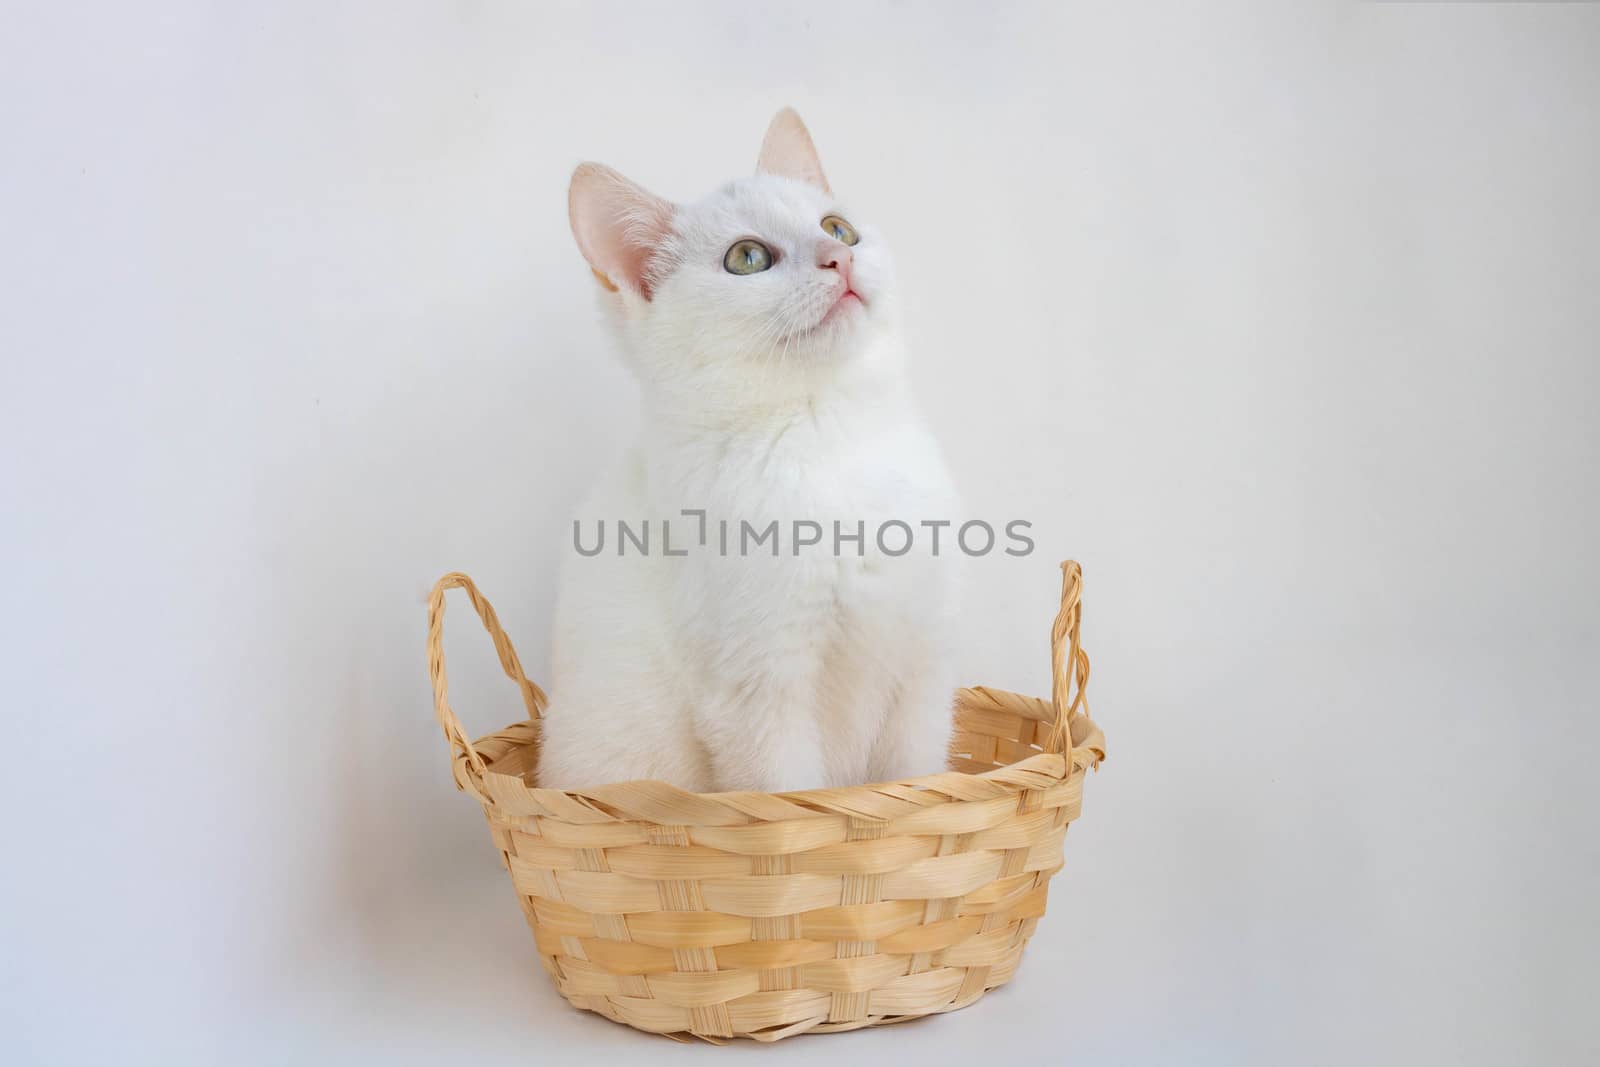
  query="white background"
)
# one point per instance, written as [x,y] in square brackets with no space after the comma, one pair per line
[1283,320]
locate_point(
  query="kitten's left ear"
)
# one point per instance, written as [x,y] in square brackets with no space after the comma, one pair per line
[788,151]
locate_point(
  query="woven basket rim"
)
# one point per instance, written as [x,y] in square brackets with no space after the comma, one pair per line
[1031,772]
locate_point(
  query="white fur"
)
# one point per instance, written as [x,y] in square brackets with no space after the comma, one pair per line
[751,672]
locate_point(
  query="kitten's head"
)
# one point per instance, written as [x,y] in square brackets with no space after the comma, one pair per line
[768,277]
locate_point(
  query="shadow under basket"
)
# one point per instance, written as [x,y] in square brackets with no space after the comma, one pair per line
[766,915]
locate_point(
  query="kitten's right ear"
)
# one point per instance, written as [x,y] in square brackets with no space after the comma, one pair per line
[618,226]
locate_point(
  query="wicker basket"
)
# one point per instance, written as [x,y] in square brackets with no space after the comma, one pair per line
[767,915]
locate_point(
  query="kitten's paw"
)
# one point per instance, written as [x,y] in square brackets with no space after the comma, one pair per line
[792,779]
[922,752]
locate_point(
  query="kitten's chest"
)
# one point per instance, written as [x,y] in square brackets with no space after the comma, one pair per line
[803,471]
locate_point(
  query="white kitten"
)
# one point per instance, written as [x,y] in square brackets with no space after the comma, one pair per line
[766,344]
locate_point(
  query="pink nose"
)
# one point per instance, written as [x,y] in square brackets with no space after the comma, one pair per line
[832,255]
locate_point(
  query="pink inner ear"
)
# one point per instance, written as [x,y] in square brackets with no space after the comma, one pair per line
[618,225]
[788,151]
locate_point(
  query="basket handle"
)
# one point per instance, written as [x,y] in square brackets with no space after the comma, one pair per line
[532,695]
[1069,663]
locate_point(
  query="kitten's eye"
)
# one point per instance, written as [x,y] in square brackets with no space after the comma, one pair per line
[839,230]
[747,257]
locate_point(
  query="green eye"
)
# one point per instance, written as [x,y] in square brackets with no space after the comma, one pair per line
[839,230]
[747,257]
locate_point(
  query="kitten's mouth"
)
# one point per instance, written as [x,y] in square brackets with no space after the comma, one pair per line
[847,300]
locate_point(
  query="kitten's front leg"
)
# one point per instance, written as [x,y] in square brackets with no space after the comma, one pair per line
[915,739]
[762,732]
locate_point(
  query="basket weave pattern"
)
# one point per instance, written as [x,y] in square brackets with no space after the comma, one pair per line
[766,915]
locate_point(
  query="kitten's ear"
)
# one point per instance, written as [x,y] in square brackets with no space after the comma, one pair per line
[788,151]
[617,224]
